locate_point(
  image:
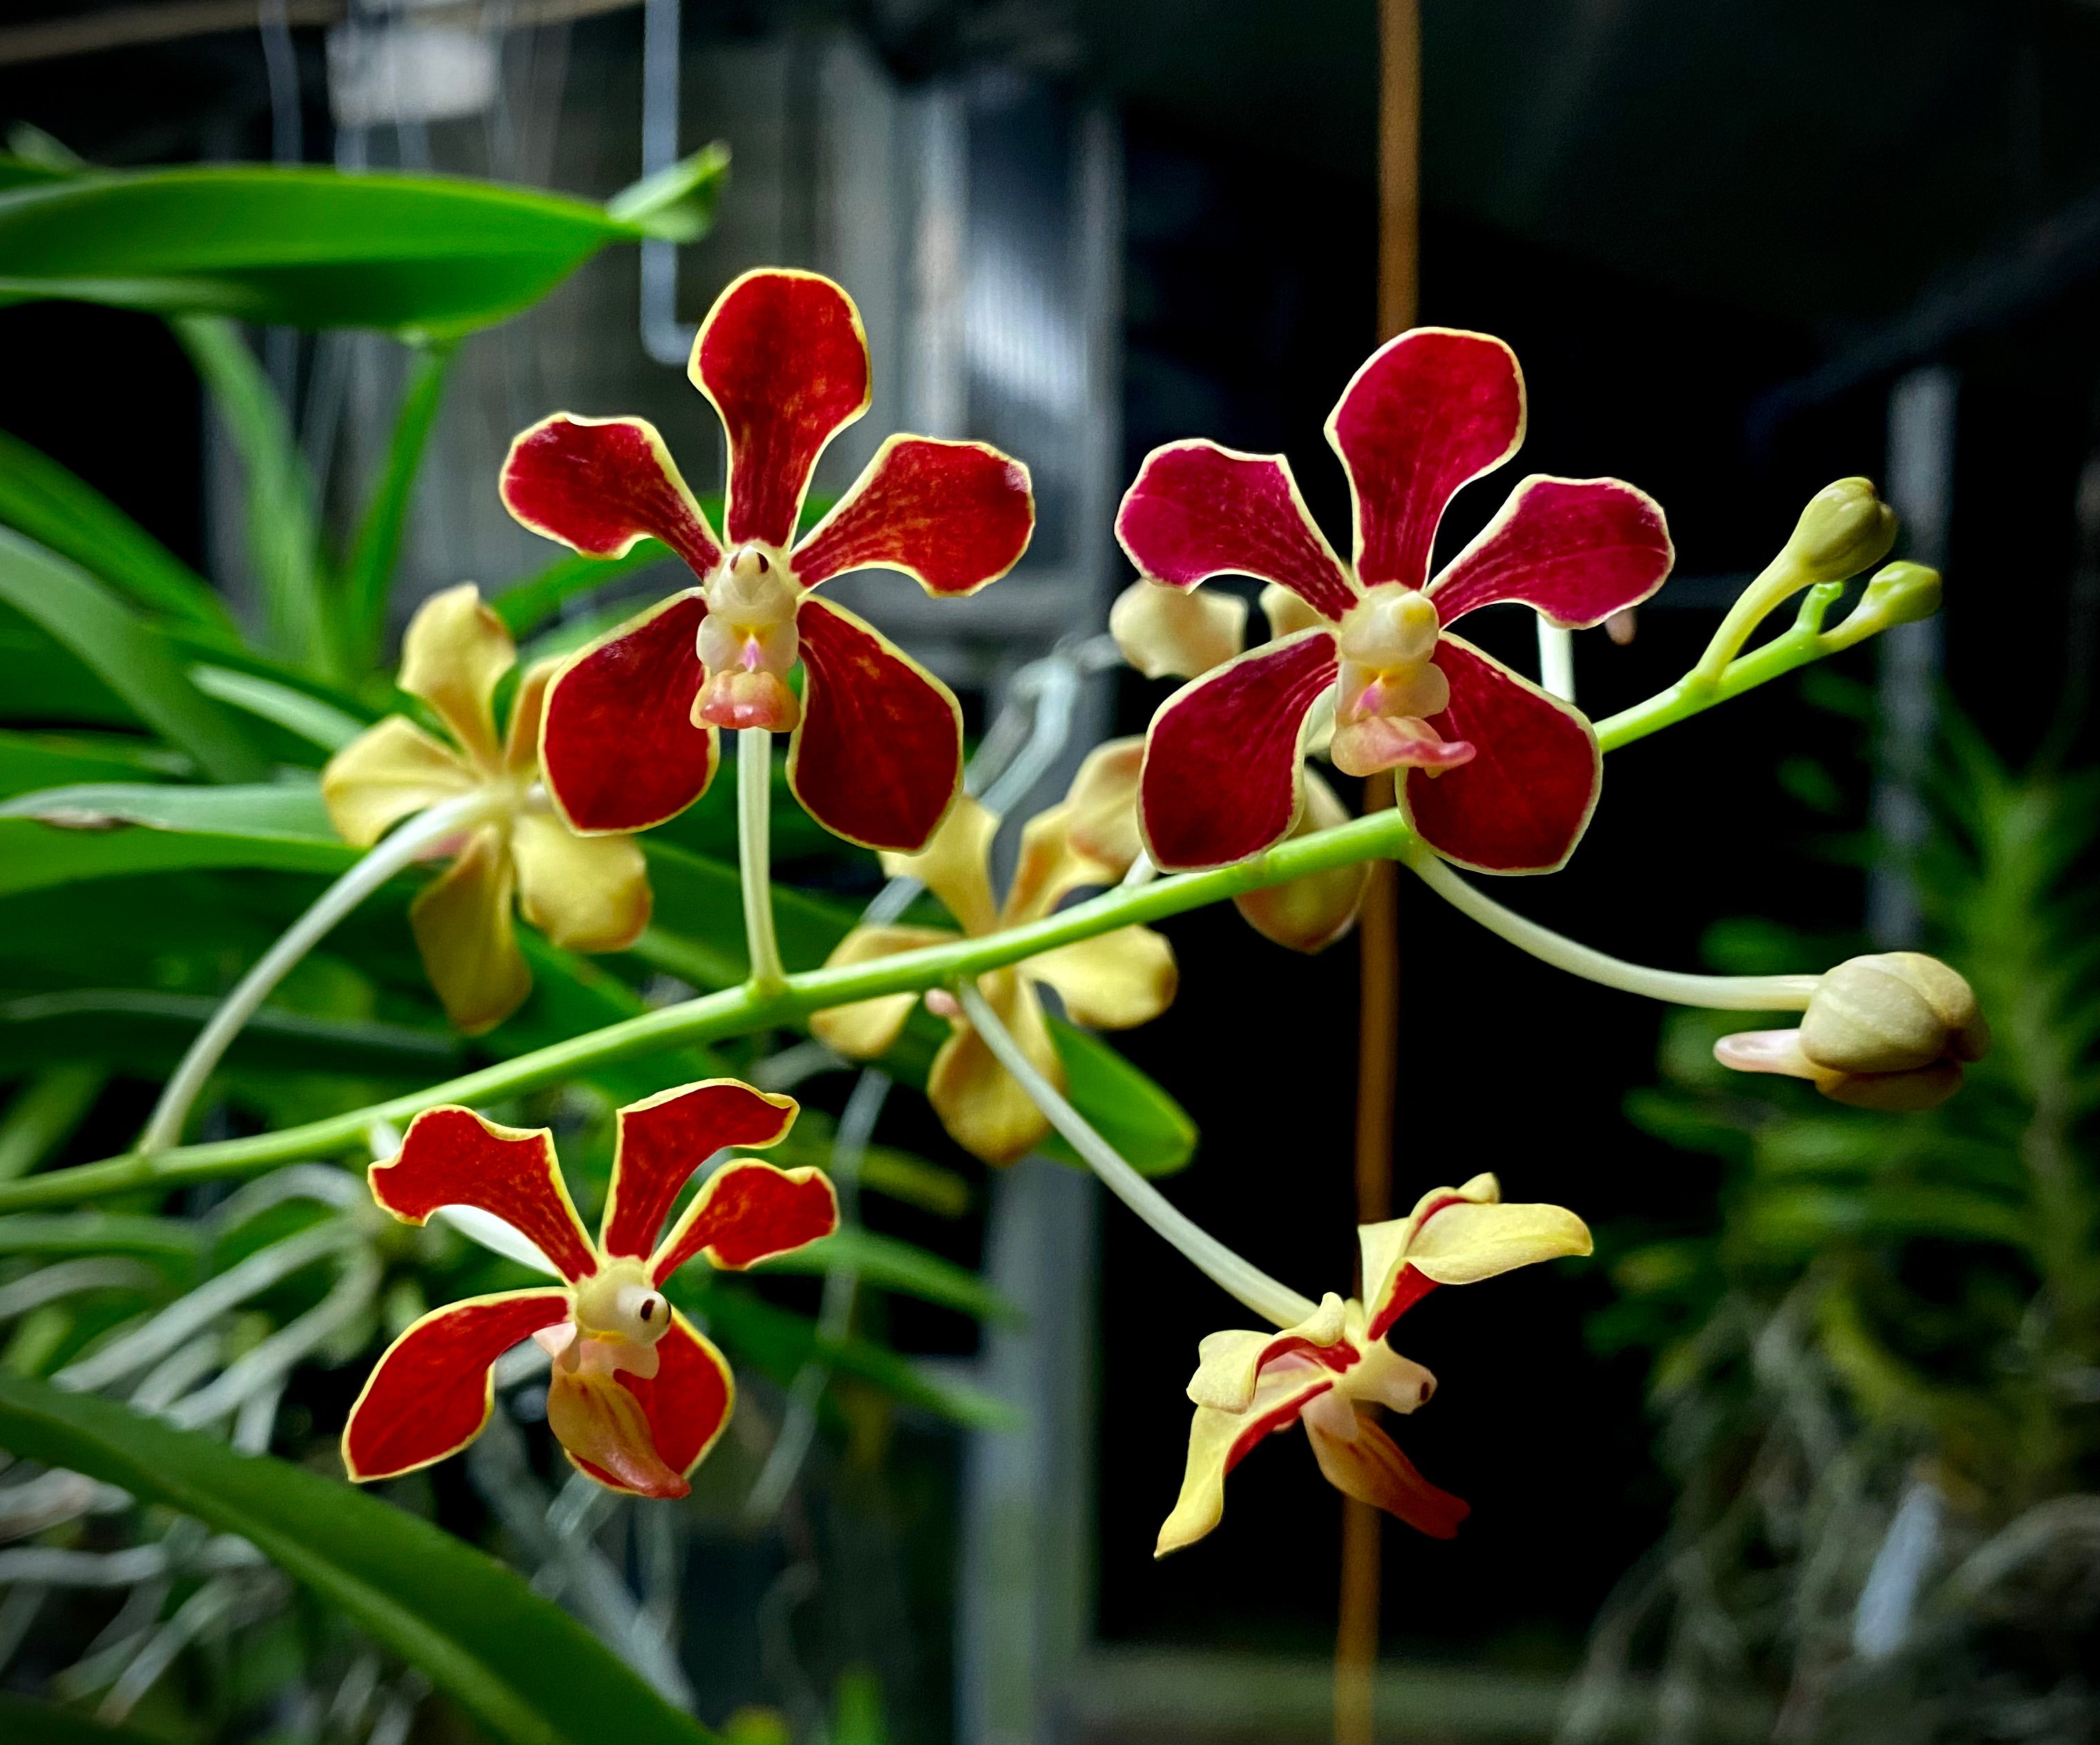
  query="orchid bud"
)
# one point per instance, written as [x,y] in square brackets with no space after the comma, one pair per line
[1899,593]
[1845,529]
[1888,1031]
[1168,632]
[1309,914]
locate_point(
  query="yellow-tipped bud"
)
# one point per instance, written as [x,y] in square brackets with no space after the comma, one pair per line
[1845,529]
[1888,1031]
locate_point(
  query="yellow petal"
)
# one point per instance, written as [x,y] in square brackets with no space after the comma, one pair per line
[1112,981]
[1218,1441]
[390,770]
[1361,1460]
[521,741]
[1050,867]
[869,1027]
[1179,633]
[1103,798]
[986,1113]
[1228,1365]
[455,652]
[1311,914]
[956,865]
[1465,1243]
[585,893]
[469,946]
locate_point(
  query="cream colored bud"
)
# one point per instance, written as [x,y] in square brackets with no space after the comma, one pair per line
[1845,529]
[1309,914]
[1287,614]
[1893,1012]
[1901,593]
[1179,633]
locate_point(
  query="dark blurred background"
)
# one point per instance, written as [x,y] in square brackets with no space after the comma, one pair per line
[1741,248]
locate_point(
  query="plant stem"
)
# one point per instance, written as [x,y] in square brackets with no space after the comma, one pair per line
[388,857]
[1722,993]
[1238,1278]
[754,855]
[1805,641]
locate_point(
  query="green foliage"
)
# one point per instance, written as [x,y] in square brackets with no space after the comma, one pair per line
[1886,1302]
[522,1668]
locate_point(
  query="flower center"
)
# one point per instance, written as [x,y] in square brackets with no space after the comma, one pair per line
[748,643]
[618,1304]
[1389,684]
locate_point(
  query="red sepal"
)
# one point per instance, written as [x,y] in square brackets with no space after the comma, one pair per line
[1524,801]
[878,758]
[662,1141]
[782,357]
[1576,549]
[1195,510]
[749,1212]
[431,1393]
[951,515]
[1428,411]
[687,1401]
[453,1157]
[618,748]
[599,484]
[1222,763]
[1371,1467]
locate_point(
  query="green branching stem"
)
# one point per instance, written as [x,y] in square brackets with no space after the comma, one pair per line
[739,1011]
[754,855]
[1237,1276]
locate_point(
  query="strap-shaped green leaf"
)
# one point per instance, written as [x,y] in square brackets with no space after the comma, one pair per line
[51,506]
[526,1671]
[127,654]
[309,247]
[23,1722]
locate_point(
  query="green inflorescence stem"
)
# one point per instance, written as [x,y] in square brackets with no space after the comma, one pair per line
[738,1011]
[754,853]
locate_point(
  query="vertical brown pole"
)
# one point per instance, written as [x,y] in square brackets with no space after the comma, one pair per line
[1378,933]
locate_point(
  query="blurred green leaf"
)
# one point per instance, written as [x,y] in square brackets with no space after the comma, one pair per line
[369,569]
[889,1265]
[275,811]
[43,1115]
[523,1668]
[307,247]
[315,720]
[34,855]
[284,529]
[101,1233]
[23,1722]
[677,203]
[1134,1114]
[526,605]
[40,498]
[125,654]
[30,761]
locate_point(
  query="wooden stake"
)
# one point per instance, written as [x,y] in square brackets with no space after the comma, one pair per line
[1377,931]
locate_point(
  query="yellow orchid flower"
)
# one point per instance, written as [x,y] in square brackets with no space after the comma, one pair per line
[589,894]
[1332,1371]
[1111,982]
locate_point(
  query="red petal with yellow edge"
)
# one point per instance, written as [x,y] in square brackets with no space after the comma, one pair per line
[749,1211]
[1428,411]
[1576,549]
[687,1403]
[1369,1467]
[619,749]
[453,1157]
[878,758]
[1195,510]
[951,515]
[1222,763]
[430,1394]
[782,357]
[662,1141]
[600,484]
[1523,802]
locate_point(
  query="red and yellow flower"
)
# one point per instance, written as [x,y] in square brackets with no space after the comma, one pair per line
[1333,1370]
[1501,776]
[588,894]
[638,1394]
[632,724]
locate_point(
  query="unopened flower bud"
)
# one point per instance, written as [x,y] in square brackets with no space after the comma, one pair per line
[1888,1031]
[1311,914]
[1845,529]
[1899,593]
[1180,632]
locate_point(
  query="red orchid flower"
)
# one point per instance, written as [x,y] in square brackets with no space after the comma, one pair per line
[1333,1370]
[638,1394]
[1501,776]
[630,736]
